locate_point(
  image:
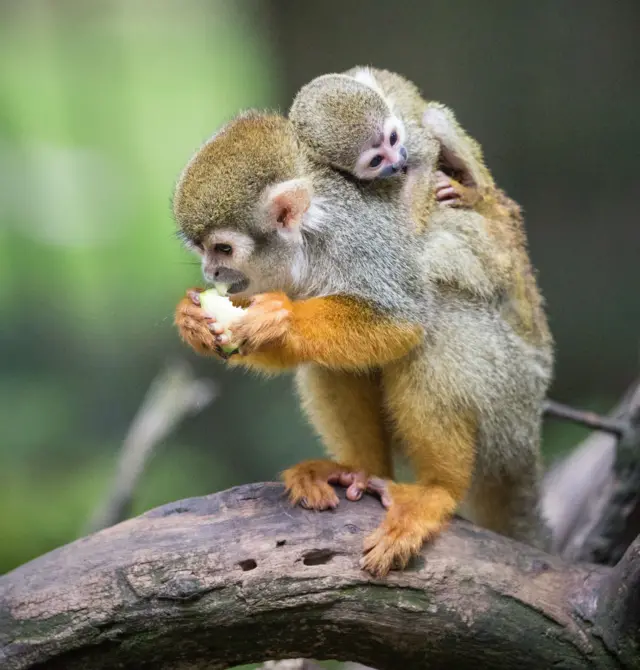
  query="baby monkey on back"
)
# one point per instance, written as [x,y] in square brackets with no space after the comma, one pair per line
[370,123]
[374,125]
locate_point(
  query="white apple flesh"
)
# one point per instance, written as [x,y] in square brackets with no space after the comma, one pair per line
[217,306]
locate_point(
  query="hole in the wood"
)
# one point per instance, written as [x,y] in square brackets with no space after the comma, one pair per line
[248,564]
[280,543]
[539,565]
[177,509]
[318,556]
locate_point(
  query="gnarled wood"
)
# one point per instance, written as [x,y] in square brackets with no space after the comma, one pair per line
[618,612]
[241,576]
[592,498]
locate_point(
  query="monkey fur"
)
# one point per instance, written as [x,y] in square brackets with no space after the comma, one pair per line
[387,350]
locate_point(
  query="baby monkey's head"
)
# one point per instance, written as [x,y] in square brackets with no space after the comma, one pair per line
[350,126]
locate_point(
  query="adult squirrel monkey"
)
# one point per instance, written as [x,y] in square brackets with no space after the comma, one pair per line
[334,277]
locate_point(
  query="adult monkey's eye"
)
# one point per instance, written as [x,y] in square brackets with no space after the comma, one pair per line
[225,249]
[393,138]
[375,161]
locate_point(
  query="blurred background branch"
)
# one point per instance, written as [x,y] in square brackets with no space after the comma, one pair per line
[592,497]
[591,420]
[174,395]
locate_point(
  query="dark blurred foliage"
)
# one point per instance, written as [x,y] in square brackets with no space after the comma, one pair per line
[102,103]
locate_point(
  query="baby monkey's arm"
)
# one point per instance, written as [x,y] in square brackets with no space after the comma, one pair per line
[462,180]
[462,177]
[460,155]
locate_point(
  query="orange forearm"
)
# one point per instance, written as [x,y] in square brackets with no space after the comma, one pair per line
[337,332]
[344,333]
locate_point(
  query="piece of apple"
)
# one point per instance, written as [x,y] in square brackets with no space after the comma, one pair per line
[216,305]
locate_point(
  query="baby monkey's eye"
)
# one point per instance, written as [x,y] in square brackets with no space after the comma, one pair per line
[393,138]
[375,161]
[225,249]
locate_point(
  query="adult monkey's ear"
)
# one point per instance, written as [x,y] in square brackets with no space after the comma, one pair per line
[286,203]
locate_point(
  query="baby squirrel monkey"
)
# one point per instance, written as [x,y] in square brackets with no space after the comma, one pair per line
[333,273]
[370,123]
[374,124]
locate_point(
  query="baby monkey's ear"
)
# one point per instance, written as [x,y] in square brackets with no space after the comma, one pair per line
[287,202]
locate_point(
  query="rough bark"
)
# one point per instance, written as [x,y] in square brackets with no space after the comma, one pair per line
[618,611]
[240,576]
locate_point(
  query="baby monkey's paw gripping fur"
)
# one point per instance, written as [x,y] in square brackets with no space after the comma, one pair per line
[309,484]
[267,321]
[450,193]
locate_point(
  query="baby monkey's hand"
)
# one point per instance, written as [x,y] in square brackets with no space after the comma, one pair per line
[451,193]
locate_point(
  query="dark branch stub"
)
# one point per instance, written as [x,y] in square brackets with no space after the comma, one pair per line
[589,419]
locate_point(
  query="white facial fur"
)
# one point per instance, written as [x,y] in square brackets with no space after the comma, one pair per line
[214,254]
[225,248]
[388,157]
[313,221]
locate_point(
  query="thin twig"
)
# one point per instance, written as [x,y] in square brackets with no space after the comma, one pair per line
[590,419]
[172,396]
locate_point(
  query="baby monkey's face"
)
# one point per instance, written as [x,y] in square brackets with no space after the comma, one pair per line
[384,154]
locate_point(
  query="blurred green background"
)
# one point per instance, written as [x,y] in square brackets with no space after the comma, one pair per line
[102,103]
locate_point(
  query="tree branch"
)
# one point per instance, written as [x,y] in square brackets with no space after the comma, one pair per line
[172,396]
[241,576]
[592,498]
[618,612]
[591,420]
